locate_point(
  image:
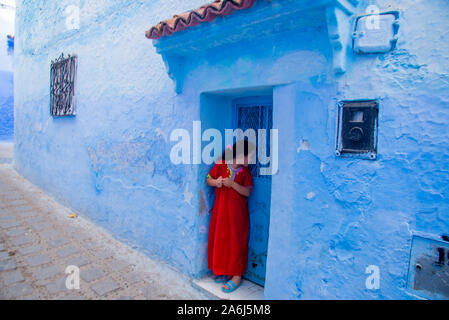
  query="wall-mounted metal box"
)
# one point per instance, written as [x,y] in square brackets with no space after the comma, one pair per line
[376,33]
[428,274]
[357,128]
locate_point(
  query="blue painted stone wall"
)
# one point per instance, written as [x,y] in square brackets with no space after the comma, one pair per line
[343,215]
[6,77]
[117,169]
[330,217]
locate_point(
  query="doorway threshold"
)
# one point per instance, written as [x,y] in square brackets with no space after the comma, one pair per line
[247,291]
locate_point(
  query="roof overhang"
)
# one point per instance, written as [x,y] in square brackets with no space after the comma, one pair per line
[206,13]
[254,19]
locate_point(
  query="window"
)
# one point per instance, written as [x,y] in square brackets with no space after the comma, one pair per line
[256,116]
[62,86]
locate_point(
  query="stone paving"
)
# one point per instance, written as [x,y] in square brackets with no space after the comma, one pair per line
[38,241]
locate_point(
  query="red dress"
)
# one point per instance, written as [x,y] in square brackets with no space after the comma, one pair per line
[229,225]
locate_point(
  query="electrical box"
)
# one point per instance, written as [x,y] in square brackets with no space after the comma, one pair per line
[376,33]
[357,128]
[428,274]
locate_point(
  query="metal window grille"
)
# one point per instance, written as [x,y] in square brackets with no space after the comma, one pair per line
[256,117]
[62,88]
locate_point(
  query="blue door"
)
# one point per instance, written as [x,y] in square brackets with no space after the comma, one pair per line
[257,113]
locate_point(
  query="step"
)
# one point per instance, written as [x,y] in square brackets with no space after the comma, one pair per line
[247,291]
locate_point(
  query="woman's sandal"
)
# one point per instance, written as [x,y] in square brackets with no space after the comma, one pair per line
[220,279]
[231,286]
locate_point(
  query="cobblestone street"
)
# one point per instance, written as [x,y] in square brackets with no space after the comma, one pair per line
[38,240]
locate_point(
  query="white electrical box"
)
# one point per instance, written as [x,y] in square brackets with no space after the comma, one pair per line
[375,33]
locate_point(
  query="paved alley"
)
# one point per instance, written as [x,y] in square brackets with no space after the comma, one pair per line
[38,241]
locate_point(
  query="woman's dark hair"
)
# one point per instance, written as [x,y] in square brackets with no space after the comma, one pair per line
[241,146]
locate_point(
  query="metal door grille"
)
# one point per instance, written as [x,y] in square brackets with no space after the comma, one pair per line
[256,117]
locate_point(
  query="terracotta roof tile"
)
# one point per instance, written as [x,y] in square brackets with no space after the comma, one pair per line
[193,18]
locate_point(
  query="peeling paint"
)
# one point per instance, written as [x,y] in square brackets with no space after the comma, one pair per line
[310,195]
[188,195]
[202,204]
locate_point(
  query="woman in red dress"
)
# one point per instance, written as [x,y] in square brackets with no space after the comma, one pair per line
[229,224]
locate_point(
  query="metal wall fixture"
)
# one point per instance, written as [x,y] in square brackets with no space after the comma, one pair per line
[428,272]
[63,86]
[357,123]
[376,33]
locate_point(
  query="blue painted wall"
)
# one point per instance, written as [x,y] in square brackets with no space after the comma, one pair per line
[330,217]
[6,76]
[6,106]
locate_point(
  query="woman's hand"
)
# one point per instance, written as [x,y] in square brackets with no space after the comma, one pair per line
[228,182]
[215,182]
[244,191]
